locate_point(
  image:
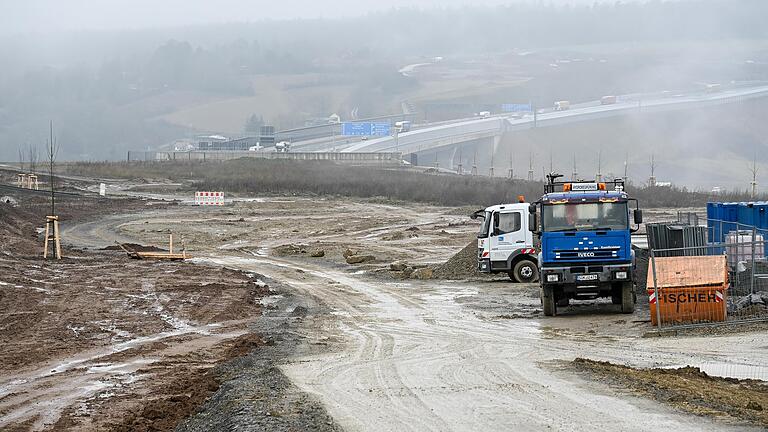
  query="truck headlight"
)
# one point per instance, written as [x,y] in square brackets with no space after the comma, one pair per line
[553,277]
[620,274]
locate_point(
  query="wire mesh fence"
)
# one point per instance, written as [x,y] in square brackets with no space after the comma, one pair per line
[710,282]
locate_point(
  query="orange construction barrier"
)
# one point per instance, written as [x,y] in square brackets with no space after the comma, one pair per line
[692,289]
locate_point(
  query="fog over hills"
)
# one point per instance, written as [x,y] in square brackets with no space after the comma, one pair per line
[117,75]
[48,15]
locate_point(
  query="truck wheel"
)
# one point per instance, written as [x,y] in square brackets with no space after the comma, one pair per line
[548,301]
[627,298]
[616,296]
[526,271]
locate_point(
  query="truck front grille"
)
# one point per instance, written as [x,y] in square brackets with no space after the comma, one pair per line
[586,269]
[594,254]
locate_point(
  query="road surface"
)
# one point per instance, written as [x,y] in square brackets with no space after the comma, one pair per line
[438,355]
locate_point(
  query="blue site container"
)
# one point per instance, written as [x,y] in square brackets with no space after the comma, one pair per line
[746,214]
[719,218]
[760,218]
[760,215]
[713,228]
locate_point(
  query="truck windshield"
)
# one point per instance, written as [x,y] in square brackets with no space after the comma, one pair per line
[585,217]
[485,227]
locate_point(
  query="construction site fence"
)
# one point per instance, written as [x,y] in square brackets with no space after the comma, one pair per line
[709,285]
[378,159]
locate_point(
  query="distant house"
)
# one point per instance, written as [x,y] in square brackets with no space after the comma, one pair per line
[210,142]
[184,145]
[219,143]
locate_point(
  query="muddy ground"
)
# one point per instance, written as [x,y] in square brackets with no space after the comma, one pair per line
[327,344]
[688,389]
[97,341]
[456,354]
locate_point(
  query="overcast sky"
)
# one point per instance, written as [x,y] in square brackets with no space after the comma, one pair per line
[41,15]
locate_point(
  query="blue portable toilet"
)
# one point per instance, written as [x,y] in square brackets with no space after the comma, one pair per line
[714,210]
[746,214]
[761,214]
[761,221]
[730,213]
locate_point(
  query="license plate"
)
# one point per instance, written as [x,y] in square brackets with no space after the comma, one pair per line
[587,277]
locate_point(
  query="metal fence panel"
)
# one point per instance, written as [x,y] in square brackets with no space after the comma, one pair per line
[710,283]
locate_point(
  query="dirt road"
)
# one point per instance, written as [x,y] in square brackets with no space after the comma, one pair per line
[433,355]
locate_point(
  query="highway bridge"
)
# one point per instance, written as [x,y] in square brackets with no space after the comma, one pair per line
[493,128]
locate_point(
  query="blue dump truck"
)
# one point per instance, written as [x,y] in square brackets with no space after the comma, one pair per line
[586,252]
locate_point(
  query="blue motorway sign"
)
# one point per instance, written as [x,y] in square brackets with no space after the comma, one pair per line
[516,108]
[365,129]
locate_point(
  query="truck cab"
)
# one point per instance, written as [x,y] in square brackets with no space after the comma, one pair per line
[586,250]
[283,147]
[403,126]
[505,242]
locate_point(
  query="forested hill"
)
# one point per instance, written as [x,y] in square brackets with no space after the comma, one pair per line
[109,90]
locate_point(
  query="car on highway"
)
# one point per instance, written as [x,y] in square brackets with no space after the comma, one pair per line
[562,105]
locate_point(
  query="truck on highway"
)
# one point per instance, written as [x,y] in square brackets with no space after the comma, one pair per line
[505,242]
[403,126]
[713,88]
[608,100]
[562,105]
[586,252]
[283,147]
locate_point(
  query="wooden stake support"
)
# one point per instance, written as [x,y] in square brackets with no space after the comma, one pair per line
[52,236]
[32,182]
[158,255]
[27,181]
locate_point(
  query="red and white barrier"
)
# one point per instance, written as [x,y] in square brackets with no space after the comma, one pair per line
[209,198]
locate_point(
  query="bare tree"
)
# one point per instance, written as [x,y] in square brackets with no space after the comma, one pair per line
[530,166]
[753,184]
[574,173]
[52,149]
[21,159]
[34,158]
[599,175]
[626,167]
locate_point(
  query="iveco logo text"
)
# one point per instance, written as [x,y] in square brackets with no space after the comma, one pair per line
[586,254]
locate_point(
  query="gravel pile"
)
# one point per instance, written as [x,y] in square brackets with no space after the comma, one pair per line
[254,394]
[460,266]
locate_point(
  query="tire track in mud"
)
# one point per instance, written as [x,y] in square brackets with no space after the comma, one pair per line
[370,343]
[43,394]
[414,360]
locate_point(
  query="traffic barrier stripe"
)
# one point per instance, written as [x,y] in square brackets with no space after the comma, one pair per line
[209,198]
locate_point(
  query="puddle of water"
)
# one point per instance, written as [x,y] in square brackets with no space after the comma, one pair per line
[9,387]
[234,245]
[449,294]
[6,389]
[730,370]
[120,368]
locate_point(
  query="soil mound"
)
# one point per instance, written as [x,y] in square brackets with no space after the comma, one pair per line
[460,266]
